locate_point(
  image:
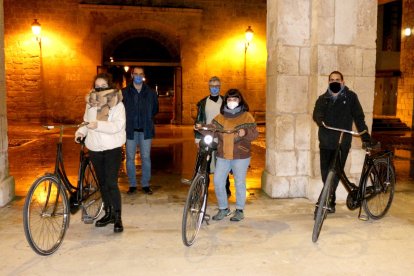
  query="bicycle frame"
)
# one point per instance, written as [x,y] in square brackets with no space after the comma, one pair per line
[369,158]
[59,170]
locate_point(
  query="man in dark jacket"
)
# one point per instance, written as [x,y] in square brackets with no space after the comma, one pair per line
[338,107]
[141,106]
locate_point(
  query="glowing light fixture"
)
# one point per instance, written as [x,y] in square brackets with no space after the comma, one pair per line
[36,29]
[249,37]
[126,68]
[408,31]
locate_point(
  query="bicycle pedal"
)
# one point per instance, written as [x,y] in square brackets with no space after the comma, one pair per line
[207,219]
[363,217]
[87,219]
[186,181]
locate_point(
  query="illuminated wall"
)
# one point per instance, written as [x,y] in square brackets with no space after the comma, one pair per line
[405,98]
[47,81]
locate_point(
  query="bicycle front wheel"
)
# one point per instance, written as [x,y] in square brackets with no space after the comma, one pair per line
[194,210]
[323,206]
[45,215]
[91,192]
[379,189]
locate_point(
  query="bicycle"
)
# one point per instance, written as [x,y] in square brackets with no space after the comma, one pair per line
[47,207]
[376,187]
[196,204]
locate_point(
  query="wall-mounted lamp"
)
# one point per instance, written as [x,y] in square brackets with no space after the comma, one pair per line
[249,37]
[36,29]
[126,68]
[408,31]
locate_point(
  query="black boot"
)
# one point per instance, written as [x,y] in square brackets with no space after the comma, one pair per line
[107,218]
[118,222]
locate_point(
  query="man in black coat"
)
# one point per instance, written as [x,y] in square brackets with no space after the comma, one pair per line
[141,106]
[338,107]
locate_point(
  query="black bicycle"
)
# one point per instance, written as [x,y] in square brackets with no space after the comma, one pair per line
[196,204]
[52,198]
[376,185]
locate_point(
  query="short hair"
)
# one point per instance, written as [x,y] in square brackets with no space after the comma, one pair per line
[107,77]
[336,72]
[213,79]
[139,67]
[234,93]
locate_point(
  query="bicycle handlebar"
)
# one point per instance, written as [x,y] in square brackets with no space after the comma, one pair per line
[213,129]
[49,127]
[345,130]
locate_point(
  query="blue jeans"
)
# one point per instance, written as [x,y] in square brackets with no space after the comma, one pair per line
[223,167]
[145,151]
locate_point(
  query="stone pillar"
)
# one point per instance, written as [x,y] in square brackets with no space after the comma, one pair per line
[405,99]
[306,40]
[6,181]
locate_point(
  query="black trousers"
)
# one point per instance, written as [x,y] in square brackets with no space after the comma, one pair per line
[107,164]
[326,157]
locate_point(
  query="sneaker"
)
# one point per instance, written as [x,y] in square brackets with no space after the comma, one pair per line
[221,214]
[238,215]
[147,190]
[132,190]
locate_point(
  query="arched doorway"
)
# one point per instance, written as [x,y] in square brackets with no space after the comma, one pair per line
[161,61]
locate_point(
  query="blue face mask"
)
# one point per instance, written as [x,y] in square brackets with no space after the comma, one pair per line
[214,91]
[138,79]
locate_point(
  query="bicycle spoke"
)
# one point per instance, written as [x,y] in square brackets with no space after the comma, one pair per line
[194,210]
[45,216]
[380,187]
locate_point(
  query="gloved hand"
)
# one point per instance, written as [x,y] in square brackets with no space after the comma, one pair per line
[370,144]
[78,137]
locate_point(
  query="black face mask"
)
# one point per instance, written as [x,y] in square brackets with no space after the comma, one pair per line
[99,89]
[335,87]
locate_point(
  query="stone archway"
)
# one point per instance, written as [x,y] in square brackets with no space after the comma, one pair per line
[160,56]
[161,42]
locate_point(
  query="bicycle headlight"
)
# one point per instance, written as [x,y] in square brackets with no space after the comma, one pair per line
[208,139]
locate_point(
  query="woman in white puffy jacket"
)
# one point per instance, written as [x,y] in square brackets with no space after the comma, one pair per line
[105,136]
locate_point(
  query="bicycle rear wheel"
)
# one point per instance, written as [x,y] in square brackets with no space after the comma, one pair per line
[323,206]
[194,209]
[45,215]
[91,192]
[379,191]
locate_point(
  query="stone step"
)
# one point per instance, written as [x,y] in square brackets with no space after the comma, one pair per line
[389,124]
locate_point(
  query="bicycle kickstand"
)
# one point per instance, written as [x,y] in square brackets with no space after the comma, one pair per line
[362,217]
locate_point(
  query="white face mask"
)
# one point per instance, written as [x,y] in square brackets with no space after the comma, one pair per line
[232,105]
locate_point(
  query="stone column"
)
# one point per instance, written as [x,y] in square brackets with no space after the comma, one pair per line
[306,40]
[6,181]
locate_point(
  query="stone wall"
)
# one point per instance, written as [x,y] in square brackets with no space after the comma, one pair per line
[405,98]
[306,40]
[6,181]
[48,81]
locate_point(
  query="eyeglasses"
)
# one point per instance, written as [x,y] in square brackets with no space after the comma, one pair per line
[216,86]
[233,99]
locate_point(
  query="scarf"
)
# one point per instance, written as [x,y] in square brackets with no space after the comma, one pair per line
[231,113]
[104,101]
